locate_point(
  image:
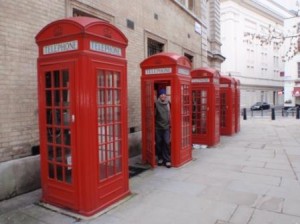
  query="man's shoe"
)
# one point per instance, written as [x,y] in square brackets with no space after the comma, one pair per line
[160,162]
[168,164]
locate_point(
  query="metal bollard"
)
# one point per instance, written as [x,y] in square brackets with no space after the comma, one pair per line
[245,114]
[273,113]
[282,112]
[298,113]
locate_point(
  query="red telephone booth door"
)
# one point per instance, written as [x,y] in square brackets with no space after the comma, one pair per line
[227,106]
[56,118]
[206,116]
[200,112]
[149,127]
[110,94]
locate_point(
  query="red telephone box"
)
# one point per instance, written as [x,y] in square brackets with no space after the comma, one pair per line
[82,87]
[237,85]
[206,106]
[227,105]
[170,71]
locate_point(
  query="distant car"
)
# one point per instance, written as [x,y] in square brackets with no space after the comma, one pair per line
[260,106]
[291,110]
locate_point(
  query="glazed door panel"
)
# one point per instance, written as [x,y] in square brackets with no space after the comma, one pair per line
[57,134]
[149,124]
[110,139]
[200,112]
[111,124]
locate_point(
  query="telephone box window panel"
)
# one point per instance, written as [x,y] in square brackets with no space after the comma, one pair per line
[57,125]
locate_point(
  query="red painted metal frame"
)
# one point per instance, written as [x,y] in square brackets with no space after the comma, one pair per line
[227,105]
[237,85]
[175,70]
[206,109]
[83,188]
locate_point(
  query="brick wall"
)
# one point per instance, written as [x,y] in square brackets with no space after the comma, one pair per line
[21,20]
[19,23]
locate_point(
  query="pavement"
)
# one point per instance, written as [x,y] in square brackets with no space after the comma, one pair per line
[249,178]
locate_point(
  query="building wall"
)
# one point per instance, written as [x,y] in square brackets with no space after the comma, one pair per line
[21,22]
[257,66]
[291,79]
[167,21]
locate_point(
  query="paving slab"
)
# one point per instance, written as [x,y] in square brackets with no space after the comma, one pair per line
[251,177]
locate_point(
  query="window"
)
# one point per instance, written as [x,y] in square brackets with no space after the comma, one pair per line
[189,4]
[75,8]
[276,61]
[154,47]
[109,123]
[77,12]
[190,57]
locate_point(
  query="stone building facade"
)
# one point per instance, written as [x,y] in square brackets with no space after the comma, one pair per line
[186,27]
[258,65]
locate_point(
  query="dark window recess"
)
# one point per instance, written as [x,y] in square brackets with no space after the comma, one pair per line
[130,24]
[77,12]
[35,150]
[191,4]
[132,130]
[190,57]
[154,47]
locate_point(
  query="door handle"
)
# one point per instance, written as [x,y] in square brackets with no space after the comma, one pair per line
[73,118]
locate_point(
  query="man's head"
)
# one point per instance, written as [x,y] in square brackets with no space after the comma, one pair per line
[162,94]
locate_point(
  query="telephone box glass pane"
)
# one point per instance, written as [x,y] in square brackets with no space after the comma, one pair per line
[58,154]
[117,131]
[65,78]
[101,97]
[116,97]
[56,79]
[109,79]
[68,174]
[118,165]
[223,110]
[59,172]
[65,97]
[57,132]
[48,80]
[66,117]
[109,114]
[118,148]
[57,97]
[116,80]
[57,110]
[109,99]
[101,78]
[67,156]
[67,137]
[185,116]
[51,171]
[117,114]
[50,152]
[49,98]
[109,126]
